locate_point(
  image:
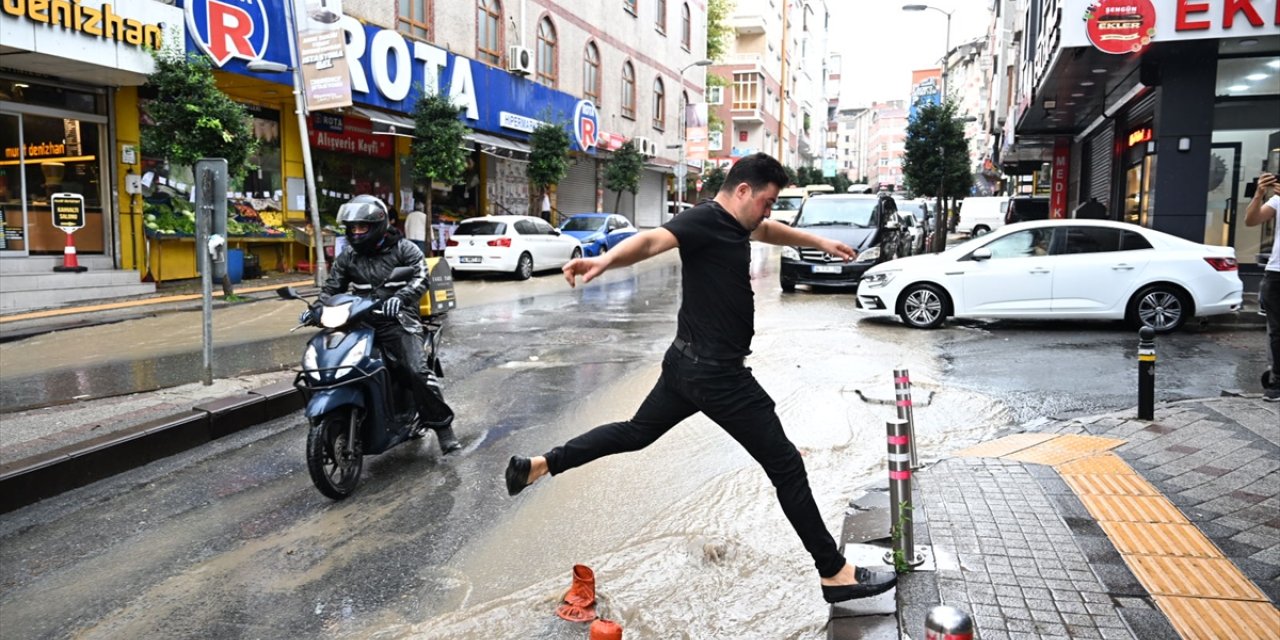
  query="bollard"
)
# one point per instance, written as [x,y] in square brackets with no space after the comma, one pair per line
[947,623]
[1146,374]
[900,516]
[902,394]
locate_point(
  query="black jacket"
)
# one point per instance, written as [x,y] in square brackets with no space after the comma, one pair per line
[366,274]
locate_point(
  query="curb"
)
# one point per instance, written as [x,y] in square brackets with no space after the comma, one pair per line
[31,479]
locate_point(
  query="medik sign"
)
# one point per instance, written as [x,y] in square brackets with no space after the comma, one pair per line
[117,34]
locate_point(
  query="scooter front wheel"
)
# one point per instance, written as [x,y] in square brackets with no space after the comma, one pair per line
[335,466]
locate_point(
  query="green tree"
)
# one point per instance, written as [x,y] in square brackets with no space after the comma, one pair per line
[711,180]
[192,118]
[623,171]
[548,158]
[718,28]
[936,161]
[437,150]
[791,175]
[840,181]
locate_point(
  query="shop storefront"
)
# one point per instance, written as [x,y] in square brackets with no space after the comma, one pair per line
[1170,110]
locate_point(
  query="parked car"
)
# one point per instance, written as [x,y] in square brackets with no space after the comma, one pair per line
[787,205]
[919,226]
[1026,209]
[516,244]
[1060,269]
[868,223]
[982,214]
[598,232]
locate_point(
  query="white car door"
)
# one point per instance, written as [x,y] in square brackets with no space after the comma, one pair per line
[528,240]
[1016,281]
[1097,268]
[554,247]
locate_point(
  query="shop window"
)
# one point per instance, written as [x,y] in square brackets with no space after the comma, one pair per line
[263,186]
[489,31]
[628,91]
[414,18]
[53,155]
[547,63]
[591,73]
[659,104]
[16,89]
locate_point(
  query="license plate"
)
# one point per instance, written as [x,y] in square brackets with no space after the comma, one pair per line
[827,268]
[469,259]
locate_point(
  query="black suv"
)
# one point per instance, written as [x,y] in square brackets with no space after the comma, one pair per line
[868,223]
[1022,209]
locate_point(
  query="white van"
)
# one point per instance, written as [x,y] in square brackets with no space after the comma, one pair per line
[982,214]
[787,205]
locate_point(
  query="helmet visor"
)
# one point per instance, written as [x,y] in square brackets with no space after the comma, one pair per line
[361,212]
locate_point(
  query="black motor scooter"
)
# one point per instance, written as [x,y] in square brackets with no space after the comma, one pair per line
[355,405]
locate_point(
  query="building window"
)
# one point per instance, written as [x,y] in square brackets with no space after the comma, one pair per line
[415,19]
[715,140]
[746,91]
[660,19]
[628,91]
[686,27]
[630,6]
[547,62]
[659,104]
[591,73]
[489,31]
[715,95]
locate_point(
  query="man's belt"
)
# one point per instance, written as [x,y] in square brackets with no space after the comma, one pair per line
[686,351]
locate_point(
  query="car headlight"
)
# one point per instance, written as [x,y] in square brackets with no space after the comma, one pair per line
[878,279]
[353,357]
[309,362]
[335,316]
[791,253]
[870,255]
[593,239]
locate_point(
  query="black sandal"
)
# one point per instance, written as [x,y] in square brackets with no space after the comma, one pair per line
[517,475]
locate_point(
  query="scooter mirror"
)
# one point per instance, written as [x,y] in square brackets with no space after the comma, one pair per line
[287,293]
[400,274]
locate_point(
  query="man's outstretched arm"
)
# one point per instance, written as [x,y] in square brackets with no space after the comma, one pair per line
[642,246]
[783,235]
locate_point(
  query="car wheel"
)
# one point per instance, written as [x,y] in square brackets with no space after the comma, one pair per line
[923,306]
[1161,307]
[524,267]
[787,285]
[980,230]
[577,253]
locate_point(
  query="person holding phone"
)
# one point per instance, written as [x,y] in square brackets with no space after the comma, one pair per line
[1262,208]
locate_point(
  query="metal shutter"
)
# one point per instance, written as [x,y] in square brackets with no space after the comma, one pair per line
[1100,152]
[650,201]
[576,193]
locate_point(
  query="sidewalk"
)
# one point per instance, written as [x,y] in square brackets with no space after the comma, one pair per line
[1101,527]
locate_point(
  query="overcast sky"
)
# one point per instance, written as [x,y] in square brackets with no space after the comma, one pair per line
[882,44]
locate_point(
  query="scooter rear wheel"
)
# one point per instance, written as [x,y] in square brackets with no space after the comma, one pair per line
[334,471]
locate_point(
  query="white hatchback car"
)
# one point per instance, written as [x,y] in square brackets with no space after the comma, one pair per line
[519,245]
[1059,269]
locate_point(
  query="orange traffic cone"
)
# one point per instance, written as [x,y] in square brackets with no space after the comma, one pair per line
[605,630]
[69,261]
[580,601]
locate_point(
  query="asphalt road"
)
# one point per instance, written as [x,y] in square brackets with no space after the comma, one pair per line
[232,541]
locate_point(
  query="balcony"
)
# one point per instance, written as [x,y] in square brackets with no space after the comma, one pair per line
[748,25]
[747,116]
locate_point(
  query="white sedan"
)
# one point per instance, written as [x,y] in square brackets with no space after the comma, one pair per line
[518,245]
[1059,269]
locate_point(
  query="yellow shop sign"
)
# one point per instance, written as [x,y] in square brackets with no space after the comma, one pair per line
[101,22]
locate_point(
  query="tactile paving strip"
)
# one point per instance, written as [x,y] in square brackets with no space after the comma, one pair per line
[1106,463]
[1201,619]
[1004,446]
[1110,484]
[1163,539]
[1065,449]
[1132,509]
[1213,578]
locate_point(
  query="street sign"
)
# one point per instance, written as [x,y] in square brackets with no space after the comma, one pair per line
[68,211]
[681,171]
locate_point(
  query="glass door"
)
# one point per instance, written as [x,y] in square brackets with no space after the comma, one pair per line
[1220,204]
[13,198]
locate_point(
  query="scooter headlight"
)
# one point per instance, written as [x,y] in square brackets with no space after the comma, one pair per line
[791,253]
[870,255]
[353,357]
[310,364]
[335,316]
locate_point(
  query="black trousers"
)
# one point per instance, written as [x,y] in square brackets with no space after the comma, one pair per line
[1270,295]
[731,397]
[409,364]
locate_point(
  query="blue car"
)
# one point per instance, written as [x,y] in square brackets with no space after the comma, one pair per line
[598,232]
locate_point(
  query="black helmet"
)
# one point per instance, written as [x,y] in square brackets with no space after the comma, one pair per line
[368,210]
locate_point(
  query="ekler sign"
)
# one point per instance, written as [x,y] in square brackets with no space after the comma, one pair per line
[387,70]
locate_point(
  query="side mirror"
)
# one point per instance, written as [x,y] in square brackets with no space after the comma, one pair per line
[287,293]
[401,274]
[555,231]
[981,254]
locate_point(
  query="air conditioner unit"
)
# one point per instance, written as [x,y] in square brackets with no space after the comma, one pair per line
[519,60]
[645,146]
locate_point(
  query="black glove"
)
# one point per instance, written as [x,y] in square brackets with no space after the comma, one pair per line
[311,315]
[391,306]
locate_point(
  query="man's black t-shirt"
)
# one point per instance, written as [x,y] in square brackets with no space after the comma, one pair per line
[717,313]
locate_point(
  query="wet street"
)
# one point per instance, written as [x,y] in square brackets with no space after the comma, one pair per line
[686,538]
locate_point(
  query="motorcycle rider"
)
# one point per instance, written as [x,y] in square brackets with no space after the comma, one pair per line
[374,249]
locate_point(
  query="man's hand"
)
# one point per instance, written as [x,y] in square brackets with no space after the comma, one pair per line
[588,268]
[837,248]
[391,306]
[311,315]
[1266,182]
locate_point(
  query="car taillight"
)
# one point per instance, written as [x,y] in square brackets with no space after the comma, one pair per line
[1222,264]
[500,242]
[451,243]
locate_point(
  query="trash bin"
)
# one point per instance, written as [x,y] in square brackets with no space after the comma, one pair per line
[235,265]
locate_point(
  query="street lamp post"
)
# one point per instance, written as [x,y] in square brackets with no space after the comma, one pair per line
[263,66]
[681,169]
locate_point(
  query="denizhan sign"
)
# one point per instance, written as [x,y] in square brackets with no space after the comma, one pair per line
[387,70]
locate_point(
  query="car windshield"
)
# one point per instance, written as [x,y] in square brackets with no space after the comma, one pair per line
[582,224]
[789,203]
[831,211]
[481,228]
[914,208]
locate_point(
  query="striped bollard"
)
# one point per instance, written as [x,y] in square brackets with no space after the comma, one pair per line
[902,395]
[900,508]
[948,623]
